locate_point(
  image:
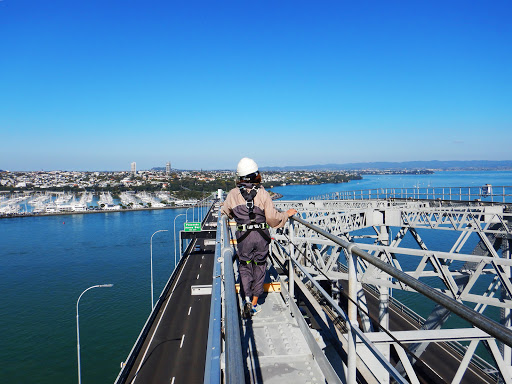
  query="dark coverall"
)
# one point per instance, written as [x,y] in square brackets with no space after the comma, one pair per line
[253,249]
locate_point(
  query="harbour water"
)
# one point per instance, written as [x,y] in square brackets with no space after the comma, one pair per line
[47,262]
[438,179]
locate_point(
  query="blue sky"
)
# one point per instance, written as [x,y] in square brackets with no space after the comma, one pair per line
[95,85]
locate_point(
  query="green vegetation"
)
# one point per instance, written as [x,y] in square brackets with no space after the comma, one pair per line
[181,185]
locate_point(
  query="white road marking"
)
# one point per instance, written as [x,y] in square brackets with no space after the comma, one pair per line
[200,265]
[152,337]
[189,310]
[197,276]
[172,381]
[182,338]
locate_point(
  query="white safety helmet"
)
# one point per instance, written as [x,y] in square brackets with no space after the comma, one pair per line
[246,166]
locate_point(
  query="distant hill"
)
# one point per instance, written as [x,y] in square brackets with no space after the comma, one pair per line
[432,164]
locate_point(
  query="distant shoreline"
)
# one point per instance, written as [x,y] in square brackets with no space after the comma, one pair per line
[29,214]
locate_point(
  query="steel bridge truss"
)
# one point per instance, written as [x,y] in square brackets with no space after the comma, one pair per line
[450,271]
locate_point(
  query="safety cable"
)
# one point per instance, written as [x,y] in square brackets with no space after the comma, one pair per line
[379,326]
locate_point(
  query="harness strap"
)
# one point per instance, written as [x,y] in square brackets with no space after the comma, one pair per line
[249,200]
[256,262]
[247,227]
[259,230]
[253,226]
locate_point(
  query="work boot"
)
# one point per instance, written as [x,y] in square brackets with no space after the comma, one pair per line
[247,311]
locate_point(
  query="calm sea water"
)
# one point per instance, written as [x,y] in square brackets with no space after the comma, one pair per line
[439,179]
[47,262]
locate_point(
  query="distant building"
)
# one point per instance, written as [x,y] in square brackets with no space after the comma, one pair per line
[134,168]
[168,168]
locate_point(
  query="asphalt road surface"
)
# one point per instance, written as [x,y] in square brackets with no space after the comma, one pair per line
[174,351]
[437,356]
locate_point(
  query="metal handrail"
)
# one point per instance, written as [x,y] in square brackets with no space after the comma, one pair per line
[224,310]
[480,321]
[364,339]
[212,369]
[461,349]
[234,363]
[491,194]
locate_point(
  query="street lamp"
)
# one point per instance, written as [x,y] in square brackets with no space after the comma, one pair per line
[186,214]
[151,251]
[181,214]
[78,327]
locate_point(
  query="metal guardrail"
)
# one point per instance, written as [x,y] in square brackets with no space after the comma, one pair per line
[480,321]
[395,302]
[233,361]
[212,369]
[486,193]
[458,347]
[224,311]
[420,320]
[353,328]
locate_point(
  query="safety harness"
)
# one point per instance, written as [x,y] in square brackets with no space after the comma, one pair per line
[252,226]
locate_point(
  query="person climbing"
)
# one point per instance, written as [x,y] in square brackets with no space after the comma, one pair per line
[251,206]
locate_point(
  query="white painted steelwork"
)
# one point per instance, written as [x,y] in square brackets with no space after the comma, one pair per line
[486,192]
[455,273]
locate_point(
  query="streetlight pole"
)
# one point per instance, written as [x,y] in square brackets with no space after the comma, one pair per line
[186,214]
[78,326]
[181,214]
[151,251]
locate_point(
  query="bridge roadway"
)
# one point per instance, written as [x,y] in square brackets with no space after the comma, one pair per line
[438,356]
[174,351]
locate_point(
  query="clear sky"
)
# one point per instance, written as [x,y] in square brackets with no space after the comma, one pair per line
[97,84]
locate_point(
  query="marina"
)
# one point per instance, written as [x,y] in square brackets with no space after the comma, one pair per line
[380,131]
[46,261]
[28,204]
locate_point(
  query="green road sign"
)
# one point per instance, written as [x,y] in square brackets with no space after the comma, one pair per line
[192,227]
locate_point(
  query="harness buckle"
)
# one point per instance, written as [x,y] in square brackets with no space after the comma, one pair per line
[248,227]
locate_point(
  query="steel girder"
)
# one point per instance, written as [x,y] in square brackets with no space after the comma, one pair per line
[491,225]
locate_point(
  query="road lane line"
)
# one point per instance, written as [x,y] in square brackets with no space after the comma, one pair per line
[158,324]
[197,276]
[182,338]
[190,308]
[172,381]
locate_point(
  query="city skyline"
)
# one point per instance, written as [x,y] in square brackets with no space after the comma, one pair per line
[433,165]
[94,85]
